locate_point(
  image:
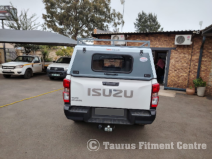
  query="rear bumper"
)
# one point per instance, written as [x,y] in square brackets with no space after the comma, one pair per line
[62,73]
[131,116]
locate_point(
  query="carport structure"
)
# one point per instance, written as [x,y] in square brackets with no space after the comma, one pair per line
[34,37]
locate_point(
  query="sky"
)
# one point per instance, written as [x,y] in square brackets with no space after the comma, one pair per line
[172,14]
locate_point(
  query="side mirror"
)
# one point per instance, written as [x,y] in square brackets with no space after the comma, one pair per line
[53,61]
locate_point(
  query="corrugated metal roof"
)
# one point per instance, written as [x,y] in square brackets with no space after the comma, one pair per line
[34,37]
[177,31]
[208,27]
[207,31]
[101,31]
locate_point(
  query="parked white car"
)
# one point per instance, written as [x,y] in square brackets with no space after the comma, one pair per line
[23,65]
[111,85]
[59,68]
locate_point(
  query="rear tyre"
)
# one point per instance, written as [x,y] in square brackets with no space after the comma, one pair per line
[51,78]
[28,74]
[75,121]
[142,125]
[6,76]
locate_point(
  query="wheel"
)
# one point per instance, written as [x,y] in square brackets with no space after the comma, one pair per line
[6,76]
[142,125]
[51,78]
[28,74]
[76,121]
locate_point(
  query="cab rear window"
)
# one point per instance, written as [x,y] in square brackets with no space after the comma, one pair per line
[112,63]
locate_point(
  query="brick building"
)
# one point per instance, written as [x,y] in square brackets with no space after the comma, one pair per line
[181,61]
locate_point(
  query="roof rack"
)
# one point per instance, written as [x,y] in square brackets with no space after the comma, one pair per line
[80,41]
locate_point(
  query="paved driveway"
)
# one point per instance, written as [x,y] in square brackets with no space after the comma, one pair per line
[37,128]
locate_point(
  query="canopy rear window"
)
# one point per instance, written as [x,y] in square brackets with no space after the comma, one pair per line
[112,63]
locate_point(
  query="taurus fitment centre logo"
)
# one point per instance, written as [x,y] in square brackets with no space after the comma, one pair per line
[94,145]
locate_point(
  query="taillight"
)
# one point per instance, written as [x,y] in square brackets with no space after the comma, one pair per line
[155,88]
[66,93]
[66,83]
[155,97]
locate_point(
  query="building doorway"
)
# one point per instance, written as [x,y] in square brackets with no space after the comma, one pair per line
[160,61]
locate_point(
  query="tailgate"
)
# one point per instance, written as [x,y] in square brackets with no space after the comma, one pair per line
[110,93]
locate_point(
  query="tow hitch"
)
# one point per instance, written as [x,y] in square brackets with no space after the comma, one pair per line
[106,128]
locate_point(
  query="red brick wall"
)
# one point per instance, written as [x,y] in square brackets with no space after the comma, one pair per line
[183,60]
[209,84]
[206,64]
[197,41]
[179,67]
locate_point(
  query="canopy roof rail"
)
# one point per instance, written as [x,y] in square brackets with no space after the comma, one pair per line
[83,41]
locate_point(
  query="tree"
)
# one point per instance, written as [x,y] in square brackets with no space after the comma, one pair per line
[28,47]
[122,2]
[147,23]
[45,50]
[65,51]
[23,22]
[78,18]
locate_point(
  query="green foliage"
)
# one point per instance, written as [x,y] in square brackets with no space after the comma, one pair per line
[48,47]
[45,50]
[199,82]
[190,87]
[78,18]
[28,47]
[23,22]
[147,23]
[65,51]
[48,60]
[45,54]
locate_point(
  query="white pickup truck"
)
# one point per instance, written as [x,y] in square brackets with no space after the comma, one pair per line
[111,85]
[23,65]
[59,68]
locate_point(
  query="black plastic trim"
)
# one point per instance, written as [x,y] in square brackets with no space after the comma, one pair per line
[131,116]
